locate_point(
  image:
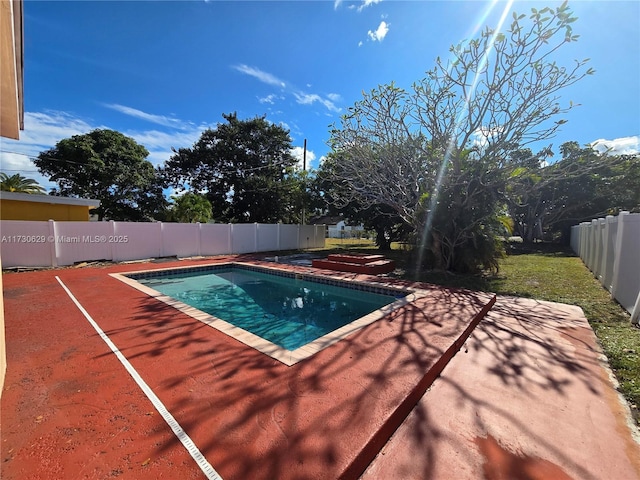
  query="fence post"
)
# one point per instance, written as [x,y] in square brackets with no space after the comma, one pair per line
[255,237]
[199,239]
[278,236]
[606,248]
[113,245]
[53,248]
[618,254]
[599,253]
[584,234]
[635,314]
[230,236]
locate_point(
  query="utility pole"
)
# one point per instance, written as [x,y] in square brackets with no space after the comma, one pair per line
[304,169]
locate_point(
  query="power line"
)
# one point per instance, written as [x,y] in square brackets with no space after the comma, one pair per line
[18,170]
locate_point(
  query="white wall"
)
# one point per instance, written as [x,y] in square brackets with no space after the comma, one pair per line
[610,247]
[30,240]
[45,244]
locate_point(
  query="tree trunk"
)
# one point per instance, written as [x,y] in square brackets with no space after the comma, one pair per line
[382,242]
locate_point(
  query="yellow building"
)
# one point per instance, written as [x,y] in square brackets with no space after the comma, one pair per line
[28,206]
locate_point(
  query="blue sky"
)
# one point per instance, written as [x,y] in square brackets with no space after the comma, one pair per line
[162,72]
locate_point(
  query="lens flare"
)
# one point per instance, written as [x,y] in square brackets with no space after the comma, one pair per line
[451,144]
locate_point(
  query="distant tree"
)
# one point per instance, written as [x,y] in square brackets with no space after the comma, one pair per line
[380,218]
[19,184]
[439,154]
[110,167]
[301,198]
[190,208]
[546,199]
[242,165]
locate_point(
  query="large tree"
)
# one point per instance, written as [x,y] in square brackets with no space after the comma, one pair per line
[108,166]
[439,154]
[241,166]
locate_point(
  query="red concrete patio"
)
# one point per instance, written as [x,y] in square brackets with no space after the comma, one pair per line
[526,395]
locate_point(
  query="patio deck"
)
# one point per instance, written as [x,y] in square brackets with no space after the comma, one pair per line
[70,410]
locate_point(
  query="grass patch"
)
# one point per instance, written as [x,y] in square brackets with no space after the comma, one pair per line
[545,272]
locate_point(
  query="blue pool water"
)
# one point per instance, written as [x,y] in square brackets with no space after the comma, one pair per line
[286,311]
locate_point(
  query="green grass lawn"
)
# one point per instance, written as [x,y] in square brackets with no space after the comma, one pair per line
[545,272]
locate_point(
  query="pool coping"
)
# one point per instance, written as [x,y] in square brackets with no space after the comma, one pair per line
[287,357]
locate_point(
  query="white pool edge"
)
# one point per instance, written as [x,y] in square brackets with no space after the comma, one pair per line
[287,357]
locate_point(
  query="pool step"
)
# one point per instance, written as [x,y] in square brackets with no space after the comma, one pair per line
[366,264]
[354,258]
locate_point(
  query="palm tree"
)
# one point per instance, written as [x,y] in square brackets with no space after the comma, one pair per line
[19,184]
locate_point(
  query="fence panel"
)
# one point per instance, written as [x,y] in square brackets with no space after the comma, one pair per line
[215,239]
[46,244]
[181,239]
[307,236]
[136,241]
[321,234]
[288,237]
[626,276]
[243,238]
[83,241]
[27,244]
[610,247]
[267,237]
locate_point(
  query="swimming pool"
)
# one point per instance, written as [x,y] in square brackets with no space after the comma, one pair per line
[284,314]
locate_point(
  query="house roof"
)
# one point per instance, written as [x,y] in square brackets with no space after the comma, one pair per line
[326,220]
[36,198]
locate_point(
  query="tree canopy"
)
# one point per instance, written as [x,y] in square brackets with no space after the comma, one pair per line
[544,200]
[19,184]
[439,155]
[108,166]
[241,166]
[190,208]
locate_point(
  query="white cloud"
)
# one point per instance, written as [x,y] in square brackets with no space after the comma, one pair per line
[133,112]
[284,125]
[270,99]
[42,130]
[159,144]
[298,154]
[294,129]
[260,75]
[301,97]
[336,4]
[483,135]
[367,3]
[380,32]
[311,98]
[360,43]
[618,146]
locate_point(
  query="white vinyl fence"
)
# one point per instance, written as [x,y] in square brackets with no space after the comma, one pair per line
[51,244]
[610,248]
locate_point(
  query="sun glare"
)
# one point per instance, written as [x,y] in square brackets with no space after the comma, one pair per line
[462,114]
